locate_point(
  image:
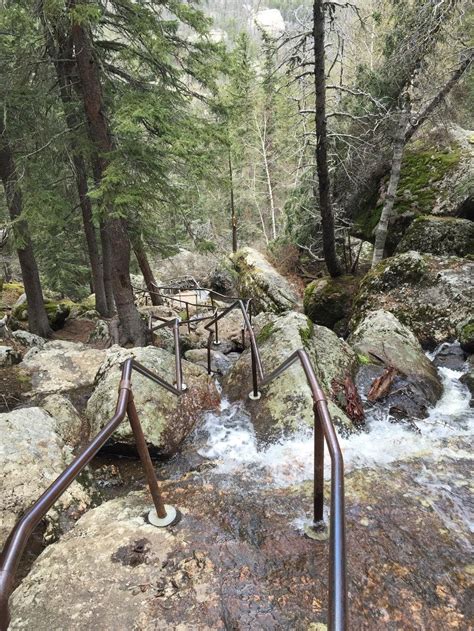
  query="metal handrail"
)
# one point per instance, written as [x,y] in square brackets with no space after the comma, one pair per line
[323,429]
[18,538]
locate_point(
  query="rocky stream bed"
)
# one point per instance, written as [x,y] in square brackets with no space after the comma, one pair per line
[238,559]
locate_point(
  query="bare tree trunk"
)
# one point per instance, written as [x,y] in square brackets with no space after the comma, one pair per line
[379,170]
[382,227]
[232,207]
[37,317]
[263,141]
[132,326]
[327,217]
[146,270]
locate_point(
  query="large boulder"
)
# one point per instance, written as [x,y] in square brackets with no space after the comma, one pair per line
[220,363]
[430,294]
[69,424]
[61,366]
[32,455]
[186,264]
[443,236]
[28,339]
[259,280]
[286,403]
[382,341]
[166,419]
[328,301]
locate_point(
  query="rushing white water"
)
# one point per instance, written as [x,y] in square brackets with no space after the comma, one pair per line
[230,439]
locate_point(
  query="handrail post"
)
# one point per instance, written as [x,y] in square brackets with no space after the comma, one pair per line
[318,491]
[209,359]
[216,333]
[255,394]
[165,515]
[177,356]
[187,317]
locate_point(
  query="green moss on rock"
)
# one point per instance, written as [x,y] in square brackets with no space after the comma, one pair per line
[328,301]
[465,332]
[445,236]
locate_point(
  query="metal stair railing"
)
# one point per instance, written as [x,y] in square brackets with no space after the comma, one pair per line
[323,430]
[164,515]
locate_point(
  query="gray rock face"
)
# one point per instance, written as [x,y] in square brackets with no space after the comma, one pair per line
[430,294]
[220,363]
[61,366]
[32,455]
[166,419]
[29,339]
[69,425]
[186,264]
[9,356]
[443,236]
[259,280]
[417,385]
[286,403]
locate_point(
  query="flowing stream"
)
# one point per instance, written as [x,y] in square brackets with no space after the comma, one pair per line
[228,438]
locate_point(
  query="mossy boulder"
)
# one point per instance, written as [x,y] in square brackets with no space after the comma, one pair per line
[328,301]
[436,179]
[259,280]
[465,333]
[286,403]
[444,236]
[432,295]
[57,313]
[386,343]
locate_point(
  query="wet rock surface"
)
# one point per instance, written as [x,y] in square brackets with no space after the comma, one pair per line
[166,419]
[383,342]
[287,401]
[238,558]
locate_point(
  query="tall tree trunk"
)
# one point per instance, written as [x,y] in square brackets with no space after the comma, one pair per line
[382,227]
[327,217]
[107,267]
[232,206]
[61,56]
[146,270]
[132,326]
[37,317]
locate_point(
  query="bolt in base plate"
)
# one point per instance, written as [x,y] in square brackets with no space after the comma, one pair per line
[171,515]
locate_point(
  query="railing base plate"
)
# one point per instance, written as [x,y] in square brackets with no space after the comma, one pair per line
[255,397]
[318,532]
[171,515]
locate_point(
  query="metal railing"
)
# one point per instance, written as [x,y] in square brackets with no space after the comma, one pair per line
[165,515]
[323,430]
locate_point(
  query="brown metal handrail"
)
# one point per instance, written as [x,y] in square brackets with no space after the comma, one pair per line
[323,429]
[18,538]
